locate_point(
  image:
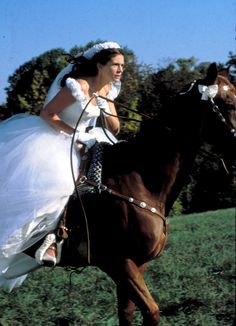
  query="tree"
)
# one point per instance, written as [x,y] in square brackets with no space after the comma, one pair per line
[29,84]
[129,95]
[4,112]
[31,81]
[160,86]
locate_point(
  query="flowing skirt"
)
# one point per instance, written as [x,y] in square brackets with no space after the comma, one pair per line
[36,182]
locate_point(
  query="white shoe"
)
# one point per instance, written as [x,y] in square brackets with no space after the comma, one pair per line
[59,250]
[41,255]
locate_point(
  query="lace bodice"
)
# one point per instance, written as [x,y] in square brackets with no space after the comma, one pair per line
[73,112]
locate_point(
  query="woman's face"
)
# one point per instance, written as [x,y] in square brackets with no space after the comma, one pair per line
[113,69]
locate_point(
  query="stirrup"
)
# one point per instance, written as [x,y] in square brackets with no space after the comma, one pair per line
[41,251]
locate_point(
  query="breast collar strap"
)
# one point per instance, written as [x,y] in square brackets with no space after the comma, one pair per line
[131,200]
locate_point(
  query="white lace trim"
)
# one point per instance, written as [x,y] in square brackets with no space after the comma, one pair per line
[79,95]
[76,89]
[114,91]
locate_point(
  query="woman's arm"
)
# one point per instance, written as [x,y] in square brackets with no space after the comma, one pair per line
[113,123]
[50,112]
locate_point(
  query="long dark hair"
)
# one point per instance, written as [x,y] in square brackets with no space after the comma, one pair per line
[88,67]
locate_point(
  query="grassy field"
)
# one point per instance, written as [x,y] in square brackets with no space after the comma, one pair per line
[193,282]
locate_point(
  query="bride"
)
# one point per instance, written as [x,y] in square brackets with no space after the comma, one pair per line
[35,170]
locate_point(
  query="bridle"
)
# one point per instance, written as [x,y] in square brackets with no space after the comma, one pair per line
[215,108]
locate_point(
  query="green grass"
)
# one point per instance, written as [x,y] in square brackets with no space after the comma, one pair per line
[193,282]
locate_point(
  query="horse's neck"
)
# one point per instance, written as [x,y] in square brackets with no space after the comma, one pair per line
[165,177]
[147,172]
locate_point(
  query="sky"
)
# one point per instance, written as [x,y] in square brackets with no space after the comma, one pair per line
[157,31]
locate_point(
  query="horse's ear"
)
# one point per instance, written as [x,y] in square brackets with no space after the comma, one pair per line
[211,75]
[225,72]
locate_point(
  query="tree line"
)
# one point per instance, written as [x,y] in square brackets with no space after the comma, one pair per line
[145,89]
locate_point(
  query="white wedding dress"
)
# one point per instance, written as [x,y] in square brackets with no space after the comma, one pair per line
[36,180]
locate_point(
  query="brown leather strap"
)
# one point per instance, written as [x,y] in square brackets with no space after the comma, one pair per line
[131,200]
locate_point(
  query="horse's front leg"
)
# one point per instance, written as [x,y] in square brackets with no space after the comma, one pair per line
[126,307]
[131,291]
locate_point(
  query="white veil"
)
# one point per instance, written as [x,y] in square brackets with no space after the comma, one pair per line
[55,86]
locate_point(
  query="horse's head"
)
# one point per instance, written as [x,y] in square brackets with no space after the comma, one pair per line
[225,97]
[205,110]
[222,104]
[210,103]
[226,100]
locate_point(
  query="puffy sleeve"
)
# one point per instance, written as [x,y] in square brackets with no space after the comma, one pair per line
[114,91]
[76,90]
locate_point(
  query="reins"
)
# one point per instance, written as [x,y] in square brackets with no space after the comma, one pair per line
[126,108]
[216,110]
[74,181]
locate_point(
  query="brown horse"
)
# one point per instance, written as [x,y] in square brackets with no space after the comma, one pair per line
[141,179]
[124,216]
